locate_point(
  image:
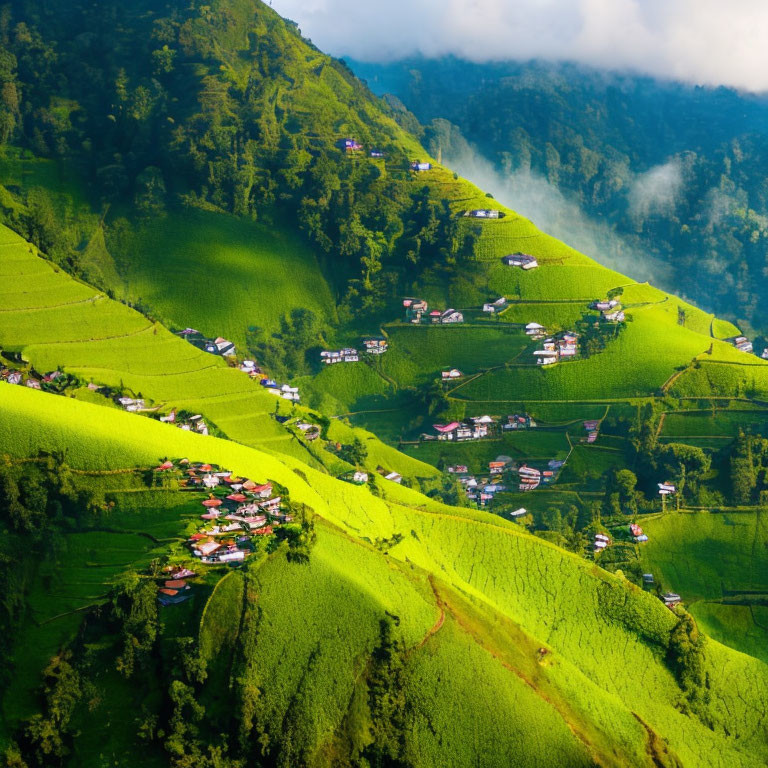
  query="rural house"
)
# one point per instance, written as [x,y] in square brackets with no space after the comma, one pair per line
[665,489]
[349,145]
[451,316]
[522,260]
[376,345]
[605,305]
[484,213]
[414,309]
[419,167]
[743,343]
[377,153]
[614,316]
[534,329]
[453,373]
[220,346]
[495,306]
[671,599]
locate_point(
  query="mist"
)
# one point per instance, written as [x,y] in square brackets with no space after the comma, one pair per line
[532,196]
[704,42]
[657,190]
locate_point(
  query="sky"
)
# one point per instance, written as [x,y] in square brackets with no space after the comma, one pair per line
[706,42]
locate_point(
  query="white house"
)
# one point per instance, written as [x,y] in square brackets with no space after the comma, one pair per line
[523,260]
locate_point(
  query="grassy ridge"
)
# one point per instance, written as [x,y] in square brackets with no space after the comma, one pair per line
[600,630]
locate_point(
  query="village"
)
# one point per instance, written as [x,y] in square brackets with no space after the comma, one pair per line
[373,346]
[236,512]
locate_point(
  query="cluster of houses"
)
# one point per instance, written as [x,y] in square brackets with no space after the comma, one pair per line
[131,404]
[284,391]
[743,343]
[217,346]
[493,307]
[485,213]
[503,475]
[175,590]
[374,345]
[345,355]
[237,510]
[475,428]
[478,428]
[555,348]
[593,429]
[522,260]
[49,382]
[610,310]
[194,423]
[417,311]
[351,146]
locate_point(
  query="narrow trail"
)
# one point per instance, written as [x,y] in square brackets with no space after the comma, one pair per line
[21,310]
[435,628]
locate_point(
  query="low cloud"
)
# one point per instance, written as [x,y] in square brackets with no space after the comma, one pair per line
[657,190]
[535,198]
[708,42]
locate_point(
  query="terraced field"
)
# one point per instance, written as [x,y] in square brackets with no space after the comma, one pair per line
[718,563]
[105,342]
[502,596]
[220,274]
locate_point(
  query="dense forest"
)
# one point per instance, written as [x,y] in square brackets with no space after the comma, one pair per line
[219,107]
[675,171]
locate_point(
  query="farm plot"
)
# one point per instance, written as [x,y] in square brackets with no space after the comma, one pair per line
[552,315]
[584,282]
[636,364]
[718,563]
[721,424]
[417,354]
[220,274]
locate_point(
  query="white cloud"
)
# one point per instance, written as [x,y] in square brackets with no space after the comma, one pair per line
[710,42]
[657,190]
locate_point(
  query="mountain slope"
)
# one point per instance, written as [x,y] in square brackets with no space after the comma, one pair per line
[600,631]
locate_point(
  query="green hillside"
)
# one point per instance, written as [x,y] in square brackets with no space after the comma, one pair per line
[483,616]
[195,179]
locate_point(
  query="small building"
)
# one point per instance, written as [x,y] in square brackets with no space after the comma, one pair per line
[522,260]
[414,309]
[492,307]
[33,383]
[545,357]
[360,478]
[666,489]
[376,345]
[419,167]
[765,354]
[743,343]
[451,316]
[534,329]
[647,578]
[377,153]
[484,213]
[614,316]
[605,305]
[349,145]
[458,469]
[519,512]
[671,599]
[453,373]
[394,477]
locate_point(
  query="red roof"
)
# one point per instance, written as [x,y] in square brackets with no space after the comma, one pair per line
[165,465]
[265,531]
[176,584]
[197,537]
[446,427]
[237,497]
[261,488]
[212,503]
